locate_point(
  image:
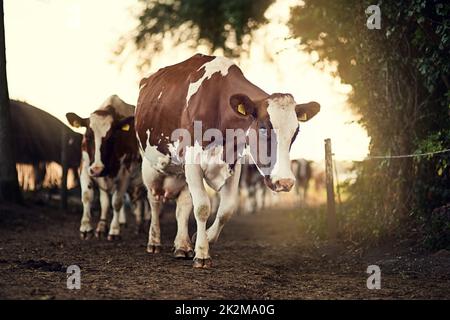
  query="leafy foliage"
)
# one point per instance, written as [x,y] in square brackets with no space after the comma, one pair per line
[221,24]
[400,88]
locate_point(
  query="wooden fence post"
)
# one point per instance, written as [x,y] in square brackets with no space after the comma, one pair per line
[64,166]
[331,205]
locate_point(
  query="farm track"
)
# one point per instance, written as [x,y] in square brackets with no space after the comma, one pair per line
[259,256]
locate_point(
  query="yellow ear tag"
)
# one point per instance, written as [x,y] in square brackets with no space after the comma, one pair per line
[241,109]
[126,127]
[303,117]
[76,124]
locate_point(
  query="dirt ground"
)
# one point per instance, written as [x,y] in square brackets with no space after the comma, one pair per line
[261,256]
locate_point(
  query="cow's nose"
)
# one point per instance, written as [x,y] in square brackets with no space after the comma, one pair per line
[96,170]
[284,184]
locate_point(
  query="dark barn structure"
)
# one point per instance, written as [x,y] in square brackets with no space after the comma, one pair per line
[38,139]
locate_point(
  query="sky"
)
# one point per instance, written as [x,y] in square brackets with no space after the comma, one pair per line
[60,59]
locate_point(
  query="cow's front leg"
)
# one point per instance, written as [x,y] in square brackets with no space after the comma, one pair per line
[229,202]
[202,209]
[117,201]
[102,225]
[87,196]
[153,181]
[183,246]
[121,183]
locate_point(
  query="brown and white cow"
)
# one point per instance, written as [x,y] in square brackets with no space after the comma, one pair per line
[210,93]
[110,161]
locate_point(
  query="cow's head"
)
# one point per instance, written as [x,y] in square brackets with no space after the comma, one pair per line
[276,120]
[103,128]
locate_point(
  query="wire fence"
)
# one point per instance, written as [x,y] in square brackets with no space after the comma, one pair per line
[413,155]
[335,172]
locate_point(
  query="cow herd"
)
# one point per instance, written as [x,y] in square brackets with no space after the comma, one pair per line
[197,125]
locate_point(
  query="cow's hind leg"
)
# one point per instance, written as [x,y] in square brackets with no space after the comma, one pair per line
[182,245]
[154,232]
[229,202]
[153,180]
[202,209]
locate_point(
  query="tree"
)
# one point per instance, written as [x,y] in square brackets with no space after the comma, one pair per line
[221,24]
[9,186]
[401,89]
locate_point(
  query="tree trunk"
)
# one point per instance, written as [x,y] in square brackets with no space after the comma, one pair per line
[9,186]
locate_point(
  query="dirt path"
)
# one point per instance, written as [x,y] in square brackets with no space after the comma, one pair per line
[260,256]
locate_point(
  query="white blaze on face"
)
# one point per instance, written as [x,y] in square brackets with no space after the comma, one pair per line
[100,125]
[218,64]
[284,121]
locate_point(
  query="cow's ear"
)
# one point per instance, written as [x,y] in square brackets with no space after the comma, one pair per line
[243,105]
[76,121]
[306,111]
[126,124]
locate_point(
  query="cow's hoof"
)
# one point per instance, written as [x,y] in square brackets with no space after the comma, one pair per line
[114,237]
[183,254]
[102,230]
[123,225]
[100,234]
[202,263]
[190,254]
[153,248]
[86,235]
